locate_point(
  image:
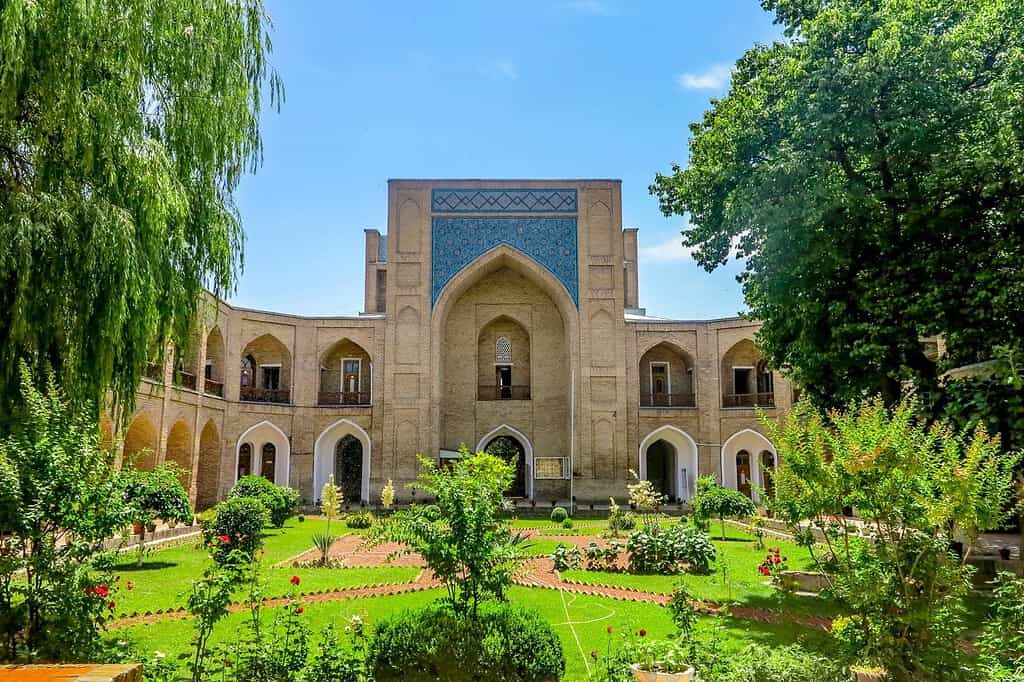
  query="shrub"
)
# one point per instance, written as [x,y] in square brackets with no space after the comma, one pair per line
[558,515]
[359,520]
[757,662]
[156,494]
[1003,637]
[568,524]
[602,559]
[335,660]
[566,557]
[654,549]
[237,525]
[281,502]
[505,642]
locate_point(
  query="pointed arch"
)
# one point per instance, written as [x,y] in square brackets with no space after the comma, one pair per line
[324,453]
[506,430]
[257,436]
[685,465]
[345,374]
[754,443]
[178,449]
[141,442]
[208,470]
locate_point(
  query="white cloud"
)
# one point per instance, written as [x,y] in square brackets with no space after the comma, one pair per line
[501,69]
[715,77]
[670,250]
[590,7]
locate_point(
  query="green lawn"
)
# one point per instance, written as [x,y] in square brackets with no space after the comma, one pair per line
[734,577]
[573,616]
[165,578]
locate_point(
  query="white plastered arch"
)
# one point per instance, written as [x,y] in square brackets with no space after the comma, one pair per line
[258,435]
[506,430]
[754,443]
[324,451]
[685,457]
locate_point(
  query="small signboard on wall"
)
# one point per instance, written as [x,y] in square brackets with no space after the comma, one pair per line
[551,468]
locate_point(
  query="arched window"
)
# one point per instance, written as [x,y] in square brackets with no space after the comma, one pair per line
[768,472]
[248,367]
[268,461]
[244,460]
[503,351]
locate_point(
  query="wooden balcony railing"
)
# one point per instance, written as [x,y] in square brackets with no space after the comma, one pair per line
[185,379]
[343,398]
[252,394]
[213,387]
[667,400]
[749,400]
[503,393]
[154,371]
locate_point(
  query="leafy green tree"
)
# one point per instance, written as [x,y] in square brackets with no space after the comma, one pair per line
[462,537]
[156,494]
[281,501]
[916,488]
[868,170]
[60,498]
[712,500]
[125,127]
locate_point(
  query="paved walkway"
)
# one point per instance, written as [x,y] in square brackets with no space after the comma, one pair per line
[537,572]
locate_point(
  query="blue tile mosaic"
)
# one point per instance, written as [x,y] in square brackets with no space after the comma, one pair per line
[504,200]
[457,242]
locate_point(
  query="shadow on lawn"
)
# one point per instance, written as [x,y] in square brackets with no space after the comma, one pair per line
[146,566]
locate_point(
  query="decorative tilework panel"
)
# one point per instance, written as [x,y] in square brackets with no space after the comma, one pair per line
[504,201]
[457,242]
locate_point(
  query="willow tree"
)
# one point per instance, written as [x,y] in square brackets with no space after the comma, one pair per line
[868,169]
[125,127]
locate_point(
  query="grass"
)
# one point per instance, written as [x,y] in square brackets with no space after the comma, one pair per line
[581,622]
[734,577]
[165,578]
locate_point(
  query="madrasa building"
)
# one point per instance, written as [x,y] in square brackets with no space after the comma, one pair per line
[503,315]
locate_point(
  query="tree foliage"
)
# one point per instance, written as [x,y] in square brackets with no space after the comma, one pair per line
[868,169]
[60,498]
[462,537]
[916,488]
[712,500]
[125,127]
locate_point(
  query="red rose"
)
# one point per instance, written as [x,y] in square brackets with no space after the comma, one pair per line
[295,580]
[111,604]
[225,539]
[593,654]
[299,610]
[609,629]
[129,585]
[643,633]
[102,591]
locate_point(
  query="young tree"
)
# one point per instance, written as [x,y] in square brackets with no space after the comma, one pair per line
[60,497]
[712,500]
[916,488]
[868,169]
[156,494]
[331,499]
[462,538]
[125,128]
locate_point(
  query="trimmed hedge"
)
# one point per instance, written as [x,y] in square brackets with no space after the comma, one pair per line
[241,521]
[505,642]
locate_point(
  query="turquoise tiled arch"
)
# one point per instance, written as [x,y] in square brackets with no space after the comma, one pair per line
[456,242]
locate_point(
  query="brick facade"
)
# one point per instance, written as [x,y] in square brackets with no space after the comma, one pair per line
[579,395]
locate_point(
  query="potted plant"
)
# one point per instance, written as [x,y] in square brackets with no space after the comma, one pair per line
[662,661]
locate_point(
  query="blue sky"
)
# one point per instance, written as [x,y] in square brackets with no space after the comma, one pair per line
[545,89]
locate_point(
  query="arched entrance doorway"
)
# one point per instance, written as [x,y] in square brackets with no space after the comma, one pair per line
[661,465]
[512,451]
[741,469]
[668,458]
[348,468]
[767,461]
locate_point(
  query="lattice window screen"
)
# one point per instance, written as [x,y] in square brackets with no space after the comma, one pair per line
[503,351]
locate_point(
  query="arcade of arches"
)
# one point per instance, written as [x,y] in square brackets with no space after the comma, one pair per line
[504,315]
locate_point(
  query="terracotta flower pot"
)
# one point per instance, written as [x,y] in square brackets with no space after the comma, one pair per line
[648,676]
[136,528]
